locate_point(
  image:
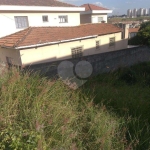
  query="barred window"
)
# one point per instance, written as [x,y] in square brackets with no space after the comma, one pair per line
[63,19]
[100,19]
[45,18]
[77,52]
[97,44]
[21,22]
[112,41]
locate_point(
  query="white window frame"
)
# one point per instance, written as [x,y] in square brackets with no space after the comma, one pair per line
[100,19]
[112,42]
[21,22]
[45,18]
[77,52]
[63,19]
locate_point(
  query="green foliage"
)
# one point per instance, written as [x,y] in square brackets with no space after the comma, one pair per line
[134,41]
[18,139]
[127,75]
[127,93]
[143,36]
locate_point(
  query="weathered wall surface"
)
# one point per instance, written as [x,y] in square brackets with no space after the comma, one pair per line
[103,62]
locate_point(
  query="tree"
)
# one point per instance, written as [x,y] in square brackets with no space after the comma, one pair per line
[143,36]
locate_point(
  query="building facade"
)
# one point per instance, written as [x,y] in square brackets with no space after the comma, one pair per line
[129,13]
[33,46]
[18,16]
[94,14]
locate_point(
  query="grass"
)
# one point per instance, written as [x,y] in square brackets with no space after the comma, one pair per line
[126,92]
[42,114]
[110,112]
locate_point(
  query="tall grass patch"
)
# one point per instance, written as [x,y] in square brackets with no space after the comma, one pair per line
[43,114]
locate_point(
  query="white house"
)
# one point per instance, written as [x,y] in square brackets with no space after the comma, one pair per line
[21,14]
[36,45]
[94,14]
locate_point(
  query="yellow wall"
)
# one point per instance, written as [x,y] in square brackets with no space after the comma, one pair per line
[63,50]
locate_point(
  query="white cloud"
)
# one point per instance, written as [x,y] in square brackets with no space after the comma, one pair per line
[99,3]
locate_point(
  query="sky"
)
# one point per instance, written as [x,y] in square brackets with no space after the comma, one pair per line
[119,7]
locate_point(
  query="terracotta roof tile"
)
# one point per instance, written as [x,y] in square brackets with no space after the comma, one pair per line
[133,30]
[89,7]
[43,35]
[52,3]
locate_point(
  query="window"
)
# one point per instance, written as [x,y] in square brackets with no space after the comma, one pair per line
[21,22]
[45,18]
[97,44]
[77,52]
[63,19]
[112,41]
[100,19]
[9,60]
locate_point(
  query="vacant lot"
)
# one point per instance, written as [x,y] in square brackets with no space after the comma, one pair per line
[111,111]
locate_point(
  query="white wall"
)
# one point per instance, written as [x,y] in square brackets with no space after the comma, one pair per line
[94,17]
[7,25]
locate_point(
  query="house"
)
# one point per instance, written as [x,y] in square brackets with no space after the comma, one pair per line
[16,15]
[36,45]
[94,14]
[133,32]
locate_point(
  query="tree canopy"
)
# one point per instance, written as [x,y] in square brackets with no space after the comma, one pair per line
[143,36]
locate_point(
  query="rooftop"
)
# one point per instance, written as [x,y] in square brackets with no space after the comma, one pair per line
[90,7]
[46,35]
[133,30]
[52,3]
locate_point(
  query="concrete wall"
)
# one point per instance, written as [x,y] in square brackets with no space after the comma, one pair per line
[63,50]
[8,26]
[14,54]
[86,18]
[103,62]
[92,18]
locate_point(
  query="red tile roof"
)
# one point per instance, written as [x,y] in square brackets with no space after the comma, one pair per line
[43,35]
[133,30]
[52,3]
[89,7]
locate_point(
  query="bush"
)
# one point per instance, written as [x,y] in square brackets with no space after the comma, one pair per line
[127,75]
